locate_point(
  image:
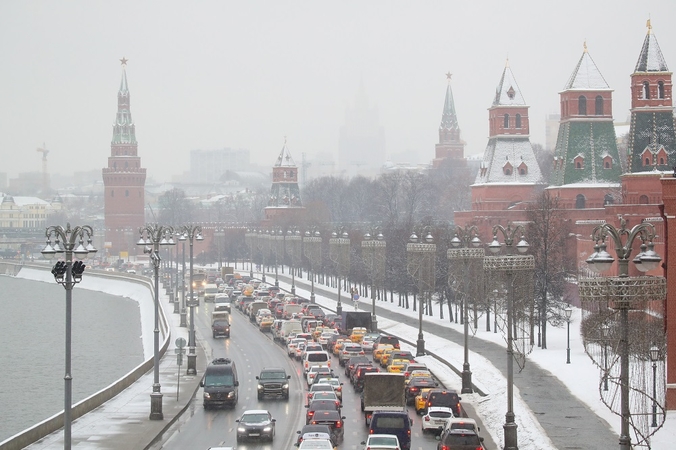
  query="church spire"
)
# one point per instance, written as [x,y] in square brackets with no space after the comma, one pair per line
[651,59]
[450,146]
[449,120]
[124,131]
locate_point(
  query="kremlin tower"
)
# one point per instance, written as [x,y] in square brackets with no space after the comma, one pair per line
[450,146]
[124,178]
[284,203]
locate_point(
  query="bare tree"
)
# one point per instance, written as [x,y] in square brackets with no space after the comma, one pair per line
[175,208]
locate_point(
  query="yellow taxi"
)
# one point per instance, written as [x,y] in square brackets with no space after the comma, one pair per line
[378,352]
[418,373]
[317,332]
[397,366]
[358,334]
[266,323]
[421,400]
[385,358]
[338,346]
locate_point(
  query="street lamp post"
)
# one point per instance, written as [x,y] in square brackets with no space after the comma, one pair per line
[339,249]
[249,237]
[191,233]
[219,234]
[623,292]
[466,249]
[68,274]
[312,246]
[654,357]
[421,263]
[184,322]
[294,239]
[509,264]
[568,312]
[373,250]
[174,289]
[274,239]
[156,235]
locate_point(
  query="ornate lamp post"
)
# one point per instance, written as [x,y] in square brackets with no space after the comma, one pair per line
[191,233]
[465,249]
[373,251]
[622,292]
[312,246]
[274,248]
[654,357]
[568,312]
[509,264]
[339,253]
[184,314]
[421,265]
[219,234]
[71,242]
[249,238]
[174,289]
[151,237]
[292,244]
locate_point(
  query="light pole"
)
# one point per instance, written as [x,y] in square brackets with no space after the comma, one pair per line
[373,251]
[654,357]
[72,240]
[339,253]
[509,264]
[174,288]
[249,237]
[191,233]
[622,292]
[605,330]
[466,249]
[274,236]
[219,234]
[294,239]
[312,246]
[421,263]
[156,235]
[568,311]
[184,322]
[263,245]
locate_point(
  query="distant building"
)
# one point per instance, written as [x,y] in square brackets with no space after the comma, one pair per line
[451,148]
[26,214]
[124,179]
[209,166]
[361,145]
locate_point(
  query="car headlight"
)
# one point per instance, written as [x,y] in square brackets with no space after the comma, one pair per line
[260,387]
[231,394]
[241,429]
[285,386]
[267,429]
[207,396]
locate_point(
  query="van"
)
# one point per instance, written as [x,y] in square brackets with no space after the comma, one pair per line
[290,309]
[393,422]
[220,384]
[288,327]
[318,359]
[210,291]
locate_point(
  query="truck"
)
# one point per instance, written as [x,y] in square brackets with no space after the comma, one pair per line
[254,307]
[383,392]
[352,319]
[220,323]
[210,291]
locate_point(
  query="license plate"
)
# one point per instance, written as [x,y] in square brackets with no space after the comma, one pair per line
[254,434]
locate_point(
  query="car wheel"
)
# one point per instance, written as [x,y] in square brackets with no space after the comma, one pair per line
[260,397]
[213,335]
[239,438]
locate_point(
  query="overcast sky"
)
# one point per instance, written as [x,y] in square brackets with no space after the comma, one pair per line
[244,74]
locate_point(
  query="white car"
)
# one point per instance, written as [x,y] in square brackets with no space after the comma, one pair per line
[381,442]
[310,376]
[337,386]
[436,418]
[316,444]
[291,346]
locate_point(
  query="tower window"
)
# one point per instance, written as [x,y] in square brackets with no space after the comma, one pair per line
[599,106]
[506,121]
[580,201]
[660,89]
[582,105]
[508,171]
[518,121]
[646,91]
[643,199]
[608,199]
[646,162]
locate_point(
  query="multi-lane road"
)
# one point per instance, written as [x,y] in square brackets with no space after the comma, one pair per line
[252,350]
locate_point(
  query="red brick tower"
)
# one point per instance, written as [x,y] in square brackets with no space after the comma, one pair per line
[284,205]
[124,179]
[450,145]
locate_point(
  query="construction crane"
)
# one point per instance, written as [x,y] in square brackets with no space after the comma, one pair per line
[45,174]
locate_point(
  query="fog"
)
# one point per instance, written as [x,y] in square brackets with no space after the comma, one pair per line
[247,74]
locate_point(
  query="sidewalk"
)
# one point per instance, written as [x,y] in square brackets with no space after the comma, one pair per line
[123,422]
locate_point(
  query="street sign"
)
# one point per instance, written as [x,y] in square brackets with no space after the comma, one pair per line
[180,342]
[179,359]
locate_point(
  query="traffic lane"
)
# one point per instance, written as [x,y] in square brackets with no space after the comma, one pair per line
[251,350]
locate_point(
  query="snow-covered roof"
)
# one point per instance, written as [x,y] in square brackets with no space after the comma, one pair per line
[284,159]
[25,201]
[651,58]
[586,75]
[516,151]
[508,93]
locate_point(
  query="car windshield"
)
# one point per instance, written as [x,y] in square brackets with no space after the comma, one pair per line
[272,375]
[219,380]
[221,323]
[383,440]
[254,418]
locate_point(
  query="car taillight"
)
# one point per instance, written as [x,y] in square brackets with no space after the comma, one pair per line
[310,413]
[427,418]
[445,447]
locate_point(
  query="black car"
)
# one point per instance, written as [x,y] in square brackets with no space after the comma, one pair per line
[332,341]
[333,419]
[358,378]
[446,398]
[313,431]
[415,385]
[273,382]
[386,339]
[460,439]
[353,361]
[256,423]
[320,405]
[220,327]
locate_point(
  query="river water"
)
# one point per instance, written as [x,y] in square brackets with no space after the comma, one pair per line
[106,344]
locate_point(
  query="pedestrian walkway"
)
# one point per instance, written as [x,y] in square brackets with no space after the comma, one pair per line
[566,420]
[123,422]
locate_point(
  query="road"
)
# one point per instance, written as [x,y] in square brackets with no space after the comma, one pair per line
[252,350]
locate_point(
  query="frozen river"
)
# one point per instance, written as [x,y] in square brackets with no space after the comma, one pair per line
[106,344]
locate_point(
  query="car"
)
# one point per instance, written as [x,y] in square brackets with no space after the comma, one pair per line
[319,387]
[338,345]
[420,402]
[418,374]
[379,350]
[323,339]
[381,442]
[320,405]
[464,423]
[414,366]
[314,432]
[334,420]
[265,324]
[459,439]
[291,346]
[324,395]
[435,419]
[323,377]
[273,381]
[348,351]
[367,344]
[415,385]
[393,422]
[357,334]
[358,378]
[256,423]
[300,348]
[317,444]
[386,339]
[220,327]
[332,341]
[447,398]
[354,361]
[397,366]
[312,373]
[337,386]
